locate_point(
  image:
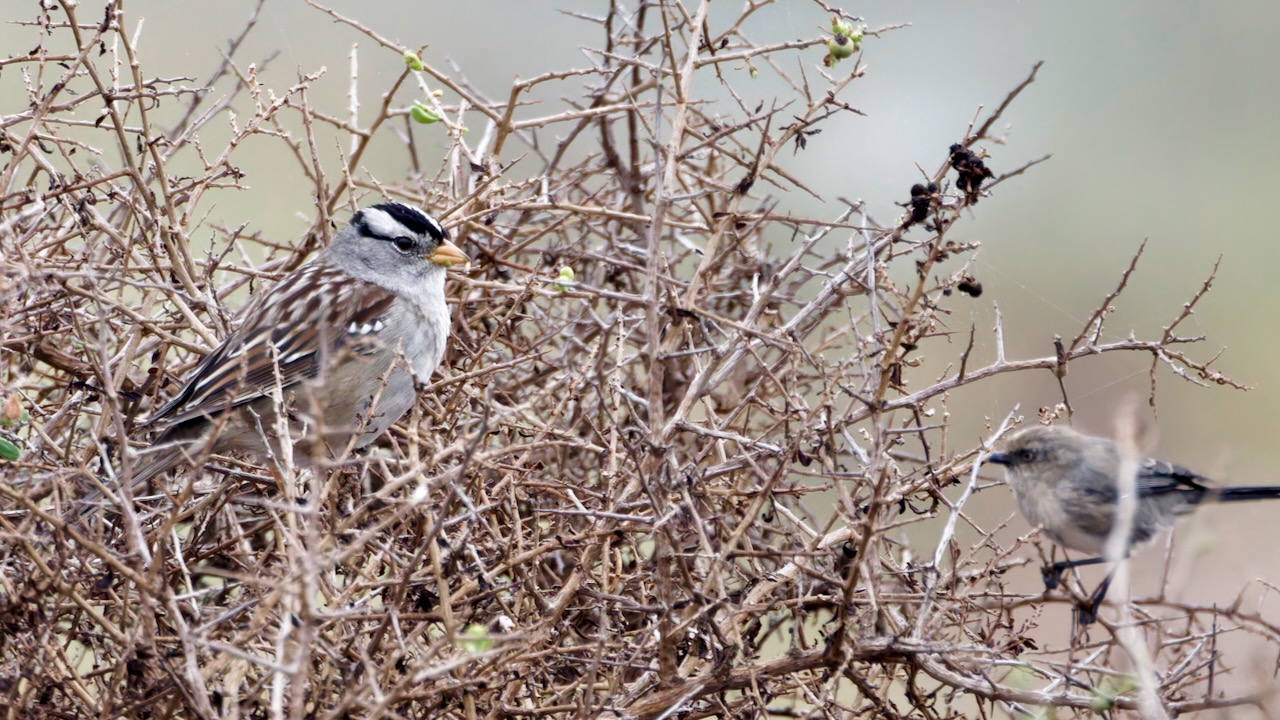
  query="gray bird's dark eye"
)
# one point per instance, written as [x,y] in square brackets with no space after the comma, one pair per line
[403,244]
[1025,455]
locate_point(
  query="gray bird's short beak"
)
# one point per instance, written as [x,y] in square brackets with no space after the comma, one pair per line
[448,255]
[998,458]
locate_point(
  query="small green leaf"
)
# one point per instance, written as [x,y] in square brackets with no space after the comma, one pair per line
[8,450]
[412,60]
[564,280]
[423,114]
[475,639]
[1106,694]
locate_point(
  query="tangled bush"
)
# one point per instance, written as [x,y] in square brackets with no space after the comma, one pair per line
[662,471]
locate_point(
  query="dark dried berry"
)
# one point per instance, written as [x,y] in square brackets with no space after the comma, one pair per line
[970,287]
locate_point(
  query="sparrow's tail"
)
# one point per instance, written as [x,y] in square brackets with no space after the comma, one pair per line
[156,461]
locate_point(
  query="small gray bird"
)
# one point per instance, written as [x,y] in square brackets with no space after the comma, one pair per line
[344,337]
[1066,483]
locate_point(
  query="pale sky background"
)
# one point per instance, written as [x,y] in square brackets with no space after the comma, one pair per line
[1163,119]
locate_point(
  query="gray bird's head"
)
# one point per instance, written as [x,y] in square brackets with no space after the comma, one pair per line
[1043,452]
[394,245]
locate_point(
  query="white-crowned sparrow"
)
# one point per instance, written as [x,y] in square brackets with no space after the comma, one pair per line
[337,344]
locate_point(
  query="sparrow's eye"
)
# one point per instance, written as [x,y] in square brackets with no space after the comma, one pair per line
[403,243]
[1026,455]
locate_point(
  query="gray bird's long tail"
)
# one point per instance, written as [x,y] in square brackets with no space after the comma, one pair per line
[1240,494]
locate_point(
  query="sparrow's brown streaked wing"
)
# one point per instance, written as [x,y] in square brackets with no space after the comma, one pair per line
[281,341]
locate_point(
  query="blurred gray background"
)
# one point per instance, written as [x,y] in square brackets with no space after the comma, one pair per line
[1161,118]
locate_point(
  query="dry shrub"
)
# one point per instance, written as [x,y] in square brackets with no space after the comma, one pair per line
[670,487]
